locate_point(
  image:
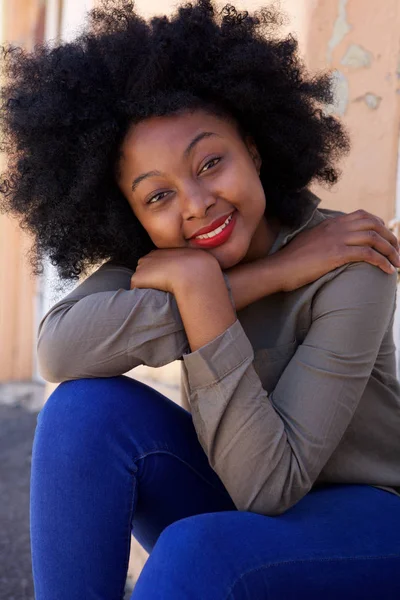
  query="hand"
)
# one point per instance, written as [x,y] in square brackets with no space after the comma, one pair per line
[165,269]
[356,237]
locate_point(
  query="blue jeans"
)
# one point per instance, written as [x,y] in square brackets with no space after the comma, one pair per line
[113,456]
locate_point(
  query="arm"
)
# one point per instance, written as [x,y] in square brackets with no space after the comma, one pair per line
[269,450]
[103,328]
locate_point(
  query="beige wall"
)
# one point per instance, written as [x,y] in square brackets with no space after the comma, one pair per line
[17,289]
[360,39]
[23,23]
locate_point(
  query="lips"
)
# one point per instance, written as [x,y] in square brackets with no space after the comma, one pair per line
[219,221]
[219,238]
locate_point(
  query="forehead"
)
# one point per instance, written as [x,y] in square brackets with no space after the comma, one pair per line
[158,136]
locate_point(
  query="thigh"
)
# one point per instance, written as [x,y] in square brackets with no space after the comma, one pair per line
[338,542]
[122,431]
[110,454]
[173,477]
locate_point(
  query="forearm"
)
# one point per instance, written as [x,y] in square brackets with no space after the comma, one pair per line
[203,300]
[109,333]
[205,307]
[252,281]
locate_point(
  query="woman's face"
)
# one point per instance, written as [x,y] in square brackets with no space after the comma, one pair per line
[192,175]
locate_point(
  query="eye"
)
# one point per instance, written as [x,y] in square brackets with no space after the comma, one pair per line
[210,164]
[156,198]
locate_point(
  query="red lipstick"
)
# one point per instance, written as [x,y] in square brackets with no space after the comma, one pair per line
[219,221]
[219,238]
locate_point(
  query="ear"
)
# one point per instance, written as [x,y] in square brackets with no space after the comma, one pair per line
[254,153]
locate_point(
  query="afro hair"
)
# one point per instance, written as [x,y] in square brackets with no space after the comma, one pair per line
[66,110]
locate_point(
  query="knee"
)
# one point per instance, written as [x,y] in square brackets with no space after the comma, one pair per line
[80,398]
[193,540]
[82,410]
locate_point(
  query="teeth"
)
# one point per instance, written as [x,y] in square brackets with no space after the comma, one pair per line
[215,232]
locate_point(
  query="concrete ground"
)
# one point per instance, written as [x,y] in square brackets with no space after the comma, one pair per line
[17,426]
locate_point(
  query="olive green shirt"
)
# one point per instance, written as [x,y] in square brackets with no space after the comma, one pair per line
[301,390]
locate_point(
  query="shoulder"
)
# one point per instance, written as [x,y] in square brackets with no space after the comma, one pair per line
[323,214]
[357,287]
[355,279]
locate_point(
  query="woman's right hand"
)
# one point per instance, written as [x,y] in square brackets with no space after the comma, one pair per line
[355,237]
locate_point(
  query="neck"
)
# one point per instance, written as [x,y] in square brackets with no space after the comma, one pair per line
[262,240]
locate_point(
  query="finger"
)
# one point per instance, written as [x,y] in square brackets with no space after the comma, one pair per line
[371,256]
[372,225]
[374,240]
[362,214]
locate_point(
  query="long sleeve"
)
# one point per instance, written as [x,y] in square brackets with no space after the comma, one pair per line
[104,329]
[269,450]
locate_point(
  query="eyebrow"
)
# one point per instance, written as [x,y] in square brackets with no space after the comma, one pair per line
[195,140]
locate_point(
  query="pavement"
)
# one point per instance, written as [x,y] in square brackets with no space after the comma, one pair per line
[17,427]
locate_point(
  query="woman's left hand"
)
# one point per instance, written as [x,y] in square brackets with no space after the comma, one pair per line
[165,269]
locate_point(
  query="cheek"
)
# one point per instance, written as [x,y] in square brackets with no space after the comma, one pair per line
[254,202]
[259,196]
[163,231]
[249,192]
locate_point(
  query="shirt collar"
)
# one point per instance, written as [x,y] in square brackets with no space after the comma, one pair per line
[287,233]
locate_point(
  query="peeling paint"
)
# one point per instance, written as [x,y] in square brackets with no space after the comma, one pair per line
[357,57]
[371,100]
[340,29]
[340,88]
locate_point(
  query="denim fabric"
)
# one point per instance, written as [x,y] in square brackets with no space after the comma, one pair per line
[113,457]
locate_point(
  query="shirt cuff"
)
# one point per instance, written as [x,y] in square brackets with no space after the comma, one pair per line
[228,285]
[212,362]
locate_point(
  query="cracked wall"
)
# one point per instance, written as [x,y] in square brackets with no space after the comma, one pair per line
[359,41]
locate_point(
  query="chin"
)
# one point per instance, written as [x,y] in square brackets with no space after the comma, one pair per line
[229,260]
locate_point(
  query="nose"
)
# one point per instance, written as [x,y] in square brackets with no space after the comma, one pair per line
[195,202]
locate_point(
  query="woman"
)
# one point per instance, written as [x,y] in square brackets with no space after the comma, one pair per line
[180,151]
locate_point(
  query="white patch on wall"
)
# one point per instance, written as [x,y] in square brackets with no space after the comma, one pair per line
[340,29]
[73,17]
[340,87]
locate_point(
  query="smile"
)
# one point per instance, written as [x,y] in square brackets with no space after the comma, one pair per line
[218,236]
[215,231]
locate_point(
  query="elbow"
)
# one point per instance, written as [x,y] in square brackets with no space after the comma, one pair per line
[274,510]
[267,508]
[272,501]
[51,366]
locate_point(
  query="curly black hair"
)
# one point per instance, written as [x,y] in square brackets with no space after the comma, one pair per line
[65,111]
